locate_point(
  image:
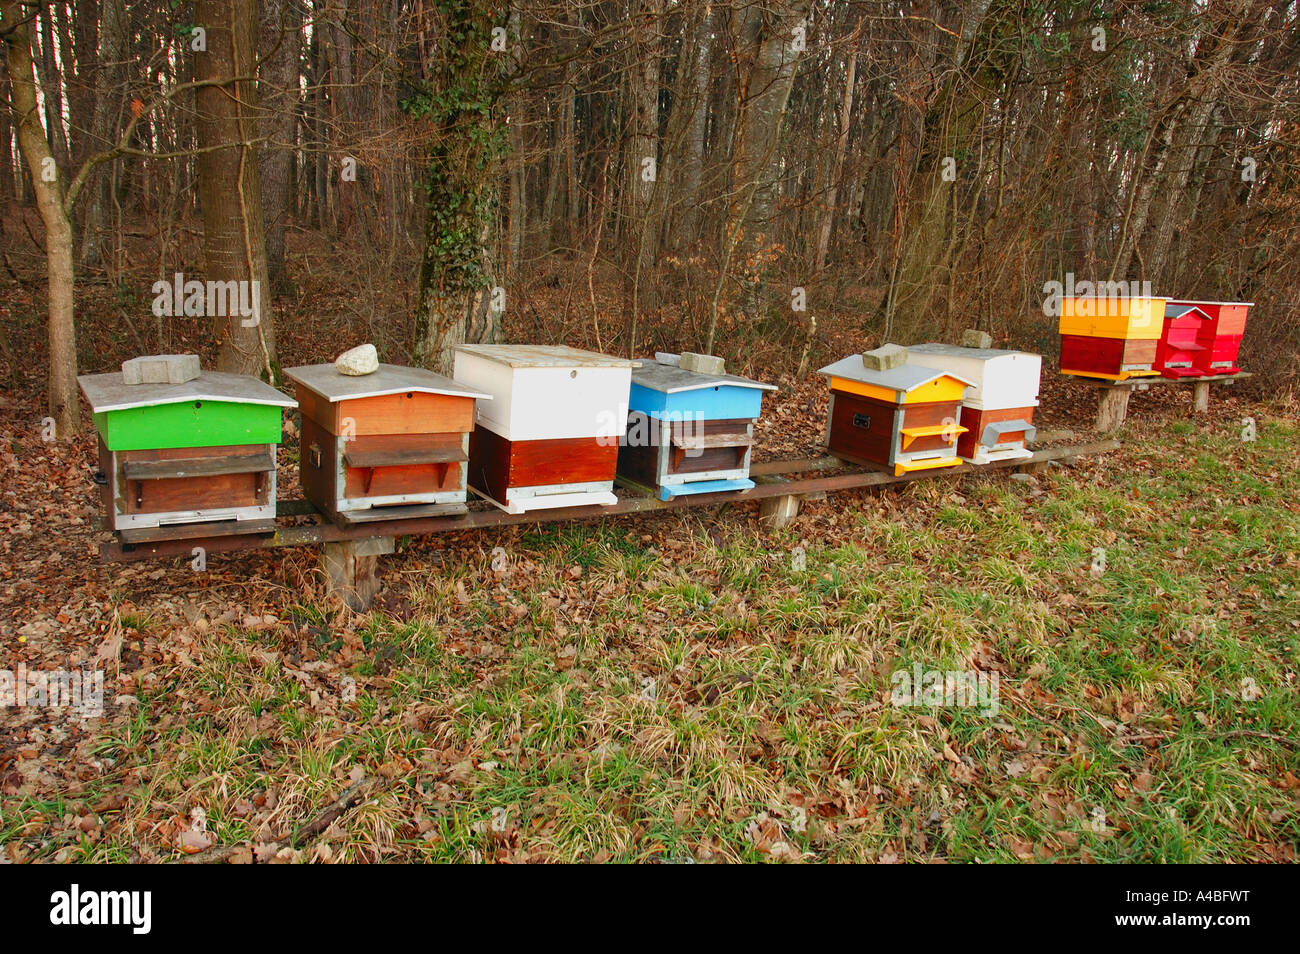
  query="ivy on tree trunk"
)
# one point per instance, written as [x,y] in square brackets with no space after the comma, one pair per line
[460,100]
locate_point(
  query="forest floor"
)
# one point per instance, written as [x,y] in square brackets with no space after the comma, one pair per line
[686,686]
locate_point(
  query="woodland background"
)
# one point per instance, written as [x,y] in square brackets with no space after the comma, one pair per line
[635,174]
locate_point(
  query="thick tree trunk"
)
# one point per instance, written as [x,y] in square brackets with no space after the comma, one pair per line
[458,297]
[229,186]
[64,405]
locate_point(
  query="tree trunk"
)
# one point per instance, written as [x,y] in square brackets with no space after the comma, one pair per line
[278,91]
[64,405]
[572,196]
[692,171]
[767,36]
[6,138]
[229,186]
[837,167]
[52,87]
[462,186]
[641,162]
[111,54]
[923,239]
[518,225]
[768,31]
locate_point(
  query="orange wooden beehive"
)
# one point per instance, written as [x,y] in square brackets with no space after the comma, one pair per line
[383,446]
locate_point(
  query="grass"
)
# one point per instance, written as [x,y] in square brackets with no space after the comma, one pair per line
[693,689]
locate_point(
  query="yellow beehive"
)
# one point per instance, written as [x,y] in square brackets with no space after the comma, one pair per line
[1103,317]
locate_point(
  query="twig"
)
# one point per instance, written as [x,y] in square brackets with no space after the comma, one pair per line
[210,856]
[351,796]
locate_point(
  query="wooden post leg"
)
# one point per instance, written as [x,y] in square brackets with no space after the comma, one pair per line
[1201,397]
[1112,408]
[352,568]
[778,512]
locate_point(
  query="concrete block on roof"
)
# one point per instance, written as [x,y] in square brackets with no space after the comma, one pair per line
[161,369]
[885,358]
[702,363]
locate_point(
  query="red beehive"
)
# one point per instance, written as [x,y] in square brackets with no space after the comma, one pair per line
[1187,333]
[1222,336]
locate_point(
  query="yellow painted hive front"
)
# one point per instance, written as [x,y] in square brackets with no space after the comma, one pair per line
[1105,317]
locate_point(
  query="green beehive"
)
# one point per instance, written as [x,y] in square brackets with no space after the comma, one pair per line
[192,448]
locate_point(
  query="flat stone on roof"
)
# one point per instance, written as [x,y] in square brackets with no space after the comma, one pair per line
[161,369]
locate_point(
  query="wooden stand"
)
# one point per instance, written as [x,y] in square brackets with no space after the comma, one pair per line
[1113,396]
[351,554]
[352,568]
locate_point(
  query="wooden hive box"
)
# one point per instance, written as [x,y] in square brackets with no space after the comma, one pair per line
[550,435]
[1222,336]
[1188,332]
[1110,338]
[390,445]
[689,432]
[998,409]
[906,418]
[197,452]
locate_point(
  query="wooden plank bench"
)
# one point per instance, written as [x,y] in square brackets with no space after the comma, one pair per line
[351,553]
[1113,396]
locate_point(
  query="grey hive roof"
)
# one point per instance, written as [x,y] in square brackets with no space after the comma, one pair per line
[546,356]
[957,351]
[329,383]
[671,379]
[107,392]
[1195,301]
[1182,308]
[906,377]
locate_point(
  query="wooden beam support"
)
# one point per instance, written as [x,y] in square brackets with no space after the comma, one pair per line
[1112,409]
[1201,397]
[352,569]
[161,544]
[776,513]
[1112,396]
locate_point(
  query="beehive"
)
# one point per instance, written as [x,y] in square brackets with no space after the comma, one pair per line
[389,445]
[906,418]
[997,412]
[1220,336]
[1187,333]
[689,432]
[549,437]
[197,451]
[1110,338]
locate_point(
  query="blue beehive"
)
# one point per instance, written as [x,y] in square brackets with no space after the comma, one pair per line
[690,426]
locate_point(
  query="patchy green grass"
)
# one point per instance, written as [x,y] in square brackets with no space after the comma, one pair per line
[689,688]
